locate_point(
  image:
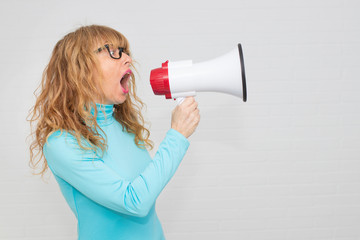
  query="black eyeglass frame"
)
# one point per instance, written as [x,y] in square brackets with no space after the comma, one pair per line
[106,46]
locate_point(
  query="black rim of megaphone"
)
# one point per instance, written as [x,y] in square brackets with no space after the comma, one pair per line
[242,72]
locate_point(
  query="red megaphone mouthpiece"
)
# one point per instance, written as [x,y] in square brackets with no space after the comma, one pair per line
[159,80]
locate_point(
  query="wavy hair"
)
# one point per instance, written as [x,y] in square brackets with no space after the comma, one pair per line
[68,92]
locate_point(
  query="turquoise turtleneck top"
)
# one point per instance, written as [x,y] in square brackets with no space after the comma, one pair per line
[113,196]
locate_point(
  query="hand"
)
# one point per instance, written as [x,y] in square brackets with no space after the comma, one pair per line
[185,117]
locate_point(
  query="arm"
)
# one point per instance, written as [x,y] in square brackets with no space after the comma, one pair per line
[88,174]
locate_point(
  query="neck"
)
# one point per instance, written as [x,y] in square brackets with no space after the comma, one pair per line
[104,113]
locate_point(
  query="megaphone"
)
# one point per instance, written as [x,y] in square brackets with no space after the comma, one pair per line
[181,79]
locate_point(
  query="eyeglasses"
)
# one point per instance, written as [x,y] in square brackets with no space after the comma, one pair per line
[113,52]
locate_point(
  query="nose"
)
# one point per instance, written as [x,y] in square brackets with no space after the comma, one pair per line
[127,58]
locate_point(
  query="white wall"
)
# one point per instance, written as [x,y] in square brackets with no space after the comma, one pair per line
[284,165]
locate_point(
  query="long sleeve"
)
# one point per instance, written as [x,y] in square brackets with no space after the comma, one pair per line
[88,173]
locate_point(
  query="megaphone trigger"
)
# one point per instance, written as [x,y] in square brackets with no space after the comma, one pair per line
[179,100]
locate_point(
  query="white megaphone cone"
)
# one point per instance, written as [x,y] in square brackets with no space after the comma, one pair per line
[181,79]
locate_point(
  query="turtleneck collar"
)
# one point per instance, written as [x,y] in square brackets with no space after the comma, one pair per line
[104,113]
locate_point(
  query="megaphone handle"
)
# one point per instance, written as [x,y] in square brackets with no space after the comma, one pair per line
[179,100]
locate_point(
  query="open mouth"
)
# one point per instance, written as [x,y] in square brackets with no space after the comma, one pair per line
[124,82]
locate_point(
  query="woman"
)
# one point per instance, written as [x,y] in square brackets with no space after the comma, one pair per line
[89,132]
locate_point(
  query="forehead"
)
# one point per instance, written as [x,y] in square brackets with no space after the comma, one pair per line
[112,44]
[116,39]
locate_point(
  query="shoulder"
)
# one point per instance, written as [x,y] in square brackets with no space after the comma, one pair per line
[59,142]
[64,139]
[62,143]
[60,138]
[62,151]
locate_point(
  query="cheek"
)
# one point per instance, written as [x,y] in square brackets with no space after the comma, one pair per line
[105,70]
[110,72]
[96,79]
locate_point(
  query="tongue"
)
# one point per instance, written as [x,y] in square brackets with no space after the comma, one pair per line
[124,85]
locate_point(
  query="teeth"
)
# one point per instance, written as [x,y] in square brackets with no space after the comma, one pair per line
[125,75]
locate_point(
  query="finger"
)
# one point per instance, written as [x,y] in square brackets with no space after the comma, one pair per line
[197,120]
[195,114]
[193,106]
[188,101]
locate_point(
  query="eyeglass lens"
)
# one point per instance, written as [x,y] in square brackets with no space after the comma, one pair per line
[114,52]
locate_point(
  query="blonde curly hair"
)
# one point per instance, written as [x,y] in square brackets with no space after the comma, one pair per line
[68,93]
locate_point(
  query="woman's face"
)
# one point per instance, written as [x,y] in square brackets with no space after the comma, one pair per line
[116,76]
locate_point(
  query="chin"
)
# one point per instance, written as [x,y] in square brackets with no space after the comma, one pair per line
[120,101]
[117,98]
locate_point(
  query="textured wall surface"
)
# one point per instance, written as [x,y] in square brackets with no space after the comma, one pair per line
[284,165]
